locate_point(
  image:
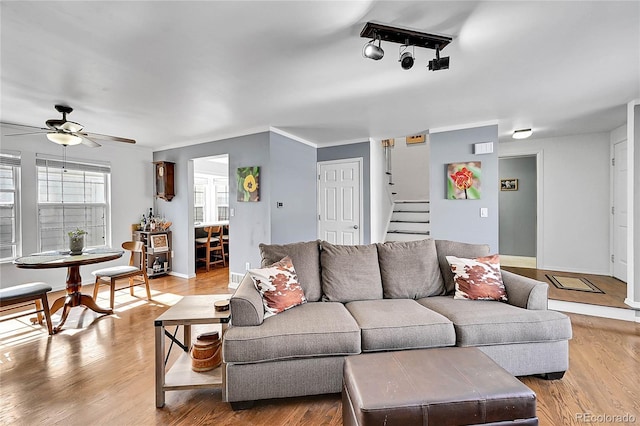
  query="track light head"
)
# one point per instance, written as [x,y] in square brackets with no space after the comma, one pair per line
[371,51]
[406,60]
[439,63]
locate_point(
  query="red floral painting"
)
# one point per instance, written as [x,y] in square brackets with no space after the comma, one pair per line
[463,181]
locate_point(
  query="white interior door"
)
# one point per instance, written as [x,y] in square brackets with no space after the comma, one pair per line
[339,201]
[620,211]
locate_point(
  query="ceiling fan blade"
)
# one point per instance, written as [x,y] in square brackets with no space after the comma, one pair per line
[90,143]
[28,133]
[22,126]
[107,137]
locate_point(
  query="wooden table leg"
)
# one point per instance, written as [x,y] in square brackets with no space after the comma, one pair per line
[74,298]
[159,335]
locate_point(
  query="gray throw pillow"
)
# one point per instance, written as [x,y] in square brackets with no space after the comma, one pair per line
[306,261]
[350,272]
[410,269]
[452,248]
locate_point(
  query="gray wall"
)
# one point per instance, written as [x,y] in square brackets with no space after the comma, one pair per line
[355,150]
[293,182]
[518,208]
[287,173]
[251,223]
[460,220]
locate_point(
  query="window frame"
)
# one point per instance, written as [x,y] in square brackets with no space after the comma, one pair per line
[13,160]
[75,165]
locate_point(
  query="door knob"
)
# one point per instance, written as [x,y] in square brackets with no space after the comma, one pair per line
[355,226]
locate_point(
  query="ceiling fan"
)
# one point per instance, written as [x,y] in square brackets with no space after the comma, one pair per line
[65,132]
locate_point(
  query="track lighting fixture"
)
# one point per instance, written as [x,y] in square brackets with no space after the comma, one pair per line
[406,58]
[406,38]
[439,63]
[372,51]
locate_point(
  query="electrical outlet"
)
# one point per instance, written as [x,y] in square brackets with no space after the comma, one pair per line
[247,266]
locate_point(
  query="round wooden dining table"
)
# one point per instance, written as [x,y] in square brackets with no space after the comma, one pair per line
[74,296]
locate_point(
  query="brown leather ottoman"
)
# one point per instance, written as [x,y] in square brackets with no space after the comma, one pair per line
[443,386]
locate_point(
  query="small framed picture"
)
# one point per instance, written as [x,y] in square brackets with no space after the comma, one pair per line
[508,184]
[159,243]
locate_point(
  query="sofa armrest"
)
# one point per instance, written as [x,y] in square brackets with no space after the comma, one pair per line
[246,304]
[525,292]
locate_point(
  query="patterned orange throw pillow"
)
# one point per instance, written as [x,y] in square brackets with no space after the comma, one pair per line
[478,279]
[279,287]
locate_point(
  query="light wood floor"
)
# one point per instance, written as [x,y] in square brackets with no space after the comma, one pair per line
[99,370]
[615,291]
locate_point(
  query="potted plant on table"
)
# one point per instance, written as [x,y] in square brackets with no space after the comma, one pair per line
[76,241]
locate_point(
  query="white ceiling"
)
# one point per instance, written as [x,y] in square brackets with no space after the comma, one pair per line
[176,73]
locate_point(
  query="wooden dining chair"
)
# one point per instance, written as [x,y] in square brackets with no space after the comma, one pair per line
[111,275]
[225,241]
[211,247]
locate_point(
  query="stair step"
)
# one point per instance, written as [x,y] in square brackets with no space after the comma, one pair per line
[410,216]
[404,231]
[410,221]
[405,237]
[411,207]
[409,227]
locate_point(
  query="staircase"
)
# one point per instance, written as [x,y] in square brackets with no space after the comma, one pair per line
[409,221]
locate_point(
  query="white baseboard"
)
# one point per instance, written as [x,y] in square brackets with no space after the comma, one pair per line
[574,270]
[595,310]
[178,274]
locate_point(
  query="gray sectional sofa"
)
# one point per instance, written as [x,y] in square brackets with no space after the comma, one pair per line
[381,297]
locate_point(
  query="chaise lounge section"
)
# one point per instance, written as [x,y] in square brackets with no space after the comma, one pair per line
[375,298]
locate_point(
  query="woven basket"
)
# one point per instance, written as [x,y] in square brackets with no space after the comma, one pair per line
[205,355]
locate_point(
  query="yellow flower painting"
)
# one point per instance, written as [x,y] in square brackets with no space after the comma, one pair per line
[248,184]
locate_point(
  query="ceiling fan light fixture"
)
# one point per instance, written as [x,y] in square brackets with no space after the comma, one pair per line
[72,127]
[522,133]
[64,139]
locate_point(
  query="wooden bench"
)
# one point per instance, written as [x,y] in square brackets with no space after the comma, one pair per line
[18,296]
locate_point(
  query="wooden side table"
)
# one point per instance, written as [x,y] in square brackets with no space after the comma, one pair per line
[187,312]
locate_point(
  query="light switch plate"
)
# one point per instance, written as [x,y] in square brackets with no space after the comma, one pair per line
[484,212]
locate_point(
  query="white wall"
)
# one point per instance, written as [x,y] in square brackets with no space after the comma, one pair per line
[381,201]
[131,196]
[410,168]
[576,200]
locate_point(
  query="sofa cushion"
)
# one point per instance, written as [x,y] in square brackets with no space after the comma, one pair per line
[410,270]
[350,272]
[306,261]
[478,279]
[278,285]
[488,322]
[311,330]
[452,248]
[393,324]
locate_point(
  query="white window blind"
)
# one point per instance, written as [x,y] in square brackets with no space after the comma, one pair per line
[72,195]
[199,198]
[9,205]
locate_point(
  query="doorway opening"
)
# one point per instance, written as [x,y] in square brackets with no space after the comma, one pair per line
[518,211]
[211,211]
